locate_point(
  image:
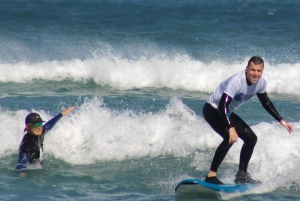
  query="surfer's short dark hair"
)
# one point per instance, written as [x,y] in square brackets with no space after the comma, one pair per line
[257,60]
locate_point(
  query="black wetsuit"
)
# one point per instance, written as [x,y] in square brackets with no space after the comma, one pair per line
[220,121]
[31,147]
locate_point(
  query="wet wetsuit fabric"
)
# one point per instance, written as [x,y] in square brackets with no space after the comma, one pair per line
[31,147]
[222,118]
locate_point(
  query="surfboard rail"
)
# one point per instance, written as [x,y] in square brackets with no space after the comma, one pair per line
[197,185]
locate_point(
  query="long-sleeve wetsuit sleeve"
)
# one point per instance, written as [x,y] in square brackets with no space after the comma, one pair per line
[22,161]
[268,105]
[224,110]
[49,125]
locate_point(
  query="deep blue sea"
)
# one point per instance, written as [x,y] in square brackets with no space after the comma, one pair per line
[139,72]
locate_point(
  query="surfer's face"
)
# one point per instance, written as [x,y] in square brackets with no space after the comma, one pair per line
[254,72]
[34,130]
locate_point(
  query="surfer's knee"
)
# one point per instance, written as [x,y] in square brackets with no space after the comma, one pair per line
[251,137]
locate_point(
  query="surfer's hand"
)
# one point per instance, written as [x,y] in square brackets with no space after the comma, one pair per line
[233,136]
[287,125]
[22,174]
[68,110]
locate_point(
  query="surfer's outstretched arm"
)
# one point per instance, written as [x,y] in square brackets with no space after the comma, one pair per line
[49,125]
[268,105]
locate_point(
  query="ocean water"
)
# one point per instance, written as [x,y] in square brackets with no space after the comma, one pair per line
[139,72]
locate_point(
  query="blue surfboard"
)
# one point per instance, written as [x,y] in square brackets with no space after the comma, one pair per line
[200,186]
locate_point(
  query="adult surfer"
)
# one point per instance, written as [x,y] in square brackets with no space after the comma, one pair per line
[218,112]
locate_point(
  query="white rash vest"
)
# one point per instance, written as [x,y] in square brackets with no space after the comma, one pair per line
[237,88]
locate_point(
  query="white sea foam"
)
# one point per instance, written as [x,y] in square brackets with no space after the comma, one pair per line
[94,133]
[179,72]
